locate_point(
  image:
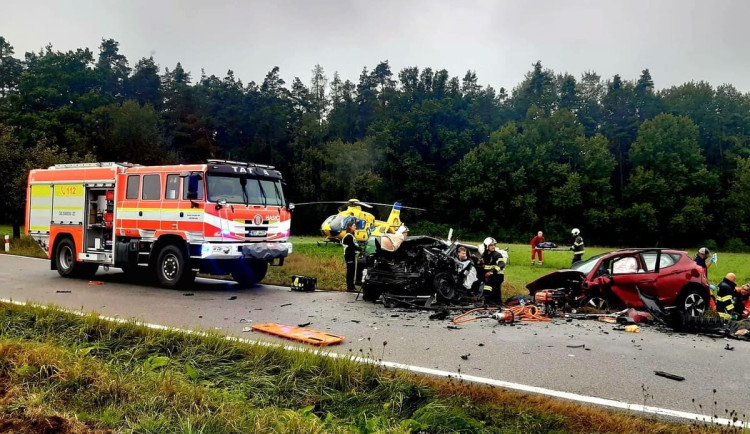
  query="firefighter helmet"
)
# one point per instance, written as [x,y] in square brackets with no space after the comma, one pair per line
[489,241]
[704,251]
[575,232]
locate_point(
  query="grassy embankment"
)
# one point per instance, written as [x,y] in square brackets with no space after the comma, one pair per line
[325,262]
[83,374]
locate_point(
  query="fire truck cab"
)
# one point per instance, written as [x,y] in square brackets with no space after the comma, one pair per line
[222,217]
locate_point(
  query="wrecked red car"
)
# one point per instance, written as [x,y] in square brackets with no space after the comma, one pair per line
[610,280]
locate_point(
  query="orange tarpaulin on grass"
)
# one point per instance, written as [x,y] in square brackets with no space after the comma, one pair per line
[299,334]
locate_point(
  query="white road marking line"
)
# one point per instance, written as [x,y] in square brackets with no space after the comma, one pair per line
[436,372]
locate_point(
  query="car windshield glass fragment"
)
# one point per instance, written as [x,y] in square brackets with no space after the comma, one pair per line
[256,191]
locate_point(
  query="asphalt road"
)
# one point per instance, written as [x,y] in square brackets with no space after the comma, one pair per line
[613,365]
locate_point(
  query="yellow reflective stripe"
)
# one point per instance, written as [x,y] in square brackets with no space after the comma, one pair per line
[39,228]
[41,190]
[41,207]
[725,315]
[723,298]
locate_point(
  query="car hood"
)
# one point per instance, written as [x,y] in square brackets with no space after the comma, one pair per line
[554,280]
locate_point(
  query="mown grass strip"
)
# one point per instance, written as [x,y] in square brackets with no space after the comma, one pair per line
[127,377]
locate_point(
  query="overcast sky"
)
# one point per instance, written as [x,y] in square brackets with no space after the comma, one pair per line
[677,40]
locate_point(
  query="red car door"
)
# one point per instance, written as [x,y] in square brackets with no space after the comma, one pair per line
[629,271]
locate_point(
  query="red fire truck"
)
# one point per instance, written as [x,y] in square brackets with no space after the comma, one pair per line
[222,217]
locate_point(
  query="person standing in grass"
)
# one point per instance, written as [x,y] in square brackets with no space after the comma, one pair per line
[350,249]
[493,265]
[700,259]
[535,249]
[577,247]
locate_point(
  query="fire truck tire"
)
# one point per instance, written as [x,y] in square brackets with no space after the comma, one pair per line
[171,268]
[260,268]
[244,273]
[65,258]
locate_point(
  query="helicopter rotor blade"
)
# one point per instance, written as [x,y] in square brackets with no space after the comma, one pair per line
[316,203]
[364,204]
[402,206]
[414,208]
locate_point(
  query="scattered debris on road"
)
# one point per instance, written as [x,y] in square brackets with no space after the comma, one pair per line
[62,291]
[96,282]
[234,297]
[465,356]
[188,294]
[309,336]
[670,376]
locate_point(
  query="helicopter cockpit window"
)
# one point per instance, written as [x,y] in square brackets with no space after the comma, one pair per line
[336,223]
[243,190]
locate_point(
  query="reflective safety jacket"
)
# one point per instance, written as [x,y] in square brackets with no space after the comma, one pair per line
[493,262]
[350,247]
[578,246]
[725,298]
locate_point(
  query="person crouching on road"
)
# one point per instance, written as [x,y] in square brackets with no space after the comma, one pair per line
[577,247]
[493,266]
[729,298]
[350,249]
[535,249]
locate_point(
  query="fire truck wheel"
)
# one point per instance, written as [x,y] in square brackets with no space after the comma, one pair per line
[259,268]
[171,269]
[65,258]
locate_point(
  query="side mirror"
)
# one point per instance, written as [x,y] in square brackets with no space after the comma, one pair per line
[290,206]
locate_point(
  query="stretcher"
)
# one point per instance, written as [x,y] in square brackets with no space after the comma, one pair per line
[309,336]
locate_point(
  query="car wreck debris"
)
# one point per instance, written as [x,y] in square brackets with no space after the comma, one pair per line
[610,279]
[680,321]
[670,376]
[421,266]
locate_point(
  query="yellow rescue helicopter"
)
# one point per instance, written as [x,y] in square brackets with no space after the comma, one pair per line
[366,226]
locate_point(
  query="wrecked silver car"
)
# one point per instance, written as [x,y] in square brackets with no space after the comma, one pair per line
[420,266]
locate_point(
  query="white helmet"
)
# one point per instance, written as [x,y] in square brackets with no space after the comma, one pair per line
[575,232]
[486,244]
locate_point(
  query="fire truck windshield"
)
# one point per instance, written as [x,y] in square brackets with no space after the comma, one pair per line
[244,190]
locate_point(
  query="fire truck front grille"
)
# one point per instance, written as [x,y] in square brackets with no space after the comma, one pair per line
[254,231]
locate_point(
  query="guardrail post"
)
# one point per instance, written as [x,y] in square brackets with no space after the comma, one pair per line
[7,243]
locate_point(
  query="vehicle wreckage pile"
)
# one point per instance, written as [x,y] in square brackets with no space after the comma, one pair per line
[426,273]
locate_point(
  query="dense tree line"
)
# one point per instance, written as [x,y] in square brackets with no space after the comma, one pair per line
[627,164]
